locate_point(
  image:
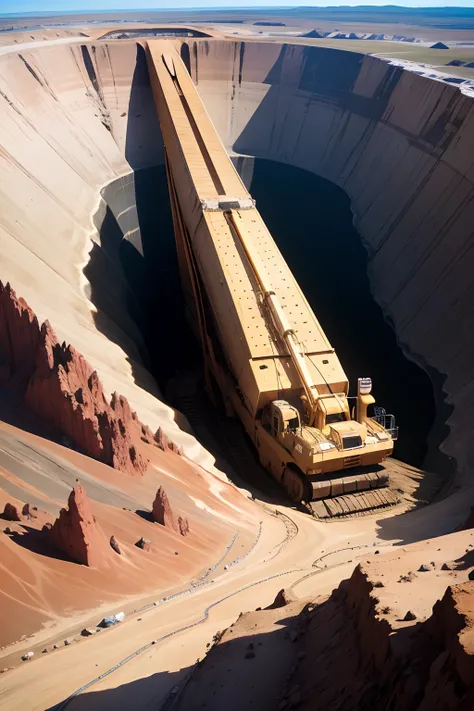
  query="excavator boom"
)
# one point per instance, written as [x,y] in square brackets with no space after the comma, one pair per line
[262,343]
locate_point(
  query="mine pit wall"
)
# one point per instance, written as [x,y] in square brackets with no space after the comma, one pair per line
[74,119]
[402,147]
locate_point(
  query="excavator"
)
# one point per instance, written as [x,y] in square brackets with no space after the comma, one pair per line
[264,350]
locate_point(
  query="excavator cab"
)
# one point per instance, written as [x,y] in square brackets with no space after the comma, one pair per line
[283,418]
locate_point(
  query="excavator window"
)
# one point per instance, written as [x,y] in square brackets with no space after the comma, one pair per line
[293,424]
[335,417]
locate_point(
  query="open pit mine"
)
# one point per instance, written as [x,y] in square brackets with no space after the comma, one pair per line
[200,236]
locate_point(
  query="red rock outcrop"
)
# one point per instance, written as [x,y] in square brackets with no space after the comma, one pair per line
[183,525]
[165,443]
[162,512]
[60,386]
[11,512]
[76,533]
[19,335]
[282,599]
[363,663]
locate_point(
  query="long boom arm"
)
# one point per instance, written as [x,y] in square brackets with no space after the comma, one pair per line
[202,169]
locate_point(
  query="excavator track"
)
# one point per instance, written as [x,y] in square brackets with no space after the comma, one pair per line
[329,488]
[357,504]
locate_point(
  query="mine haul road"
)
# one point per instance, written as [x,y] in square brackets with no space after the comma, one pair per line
[284,555]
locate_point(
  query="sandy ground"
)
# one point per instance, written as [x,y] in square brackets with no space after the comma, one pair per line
[298,562]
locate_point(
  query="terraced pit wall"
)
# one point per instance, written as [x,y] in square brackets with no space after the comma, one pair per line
[74,118]
[402,148]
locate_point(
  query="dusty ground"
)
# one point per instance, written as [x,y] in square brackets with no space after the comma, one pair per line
[293,551]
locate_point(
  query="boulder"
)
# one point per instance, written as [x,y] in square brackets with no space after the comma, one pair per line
[144,543]
[27,511]
[282,599]
[449,565]
[11,512]
[162,512]
[76,533]
[115,545]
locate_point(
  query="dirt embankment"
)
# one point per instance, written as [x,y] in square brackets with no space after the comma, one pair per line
[377,641]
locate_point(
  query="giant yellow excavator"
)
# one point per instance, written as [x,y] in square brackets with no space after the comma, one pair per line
[262,343]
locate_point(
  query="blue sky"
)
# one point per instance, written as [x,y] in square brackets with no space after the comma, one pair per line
[18,6]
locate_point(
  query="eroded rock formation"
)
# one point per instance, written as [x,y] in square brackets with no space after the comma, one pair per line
[428,665]
[162,512]
[76,533]
[60,386]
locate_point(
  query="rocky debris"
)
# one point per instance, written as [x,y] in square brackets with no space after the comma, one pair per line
[8,531]
[425,568]
[183,526]
[60,386]
[27,511]
[87,632]
[162,512]
[144,543]
[470,575]
[115,545]
[27,656]
[432,667]
[76,533]
[282,599]
[449,565]
[67,642]
[164,442]
[44,651]
[408,578]
[11,513]
[379,584]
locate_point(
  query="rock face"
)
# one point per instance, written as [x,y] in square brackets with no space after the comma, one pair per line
[408,173]
[60,386]
[162,512]
[431,667]
[76,533]
[19,335]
